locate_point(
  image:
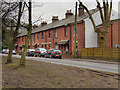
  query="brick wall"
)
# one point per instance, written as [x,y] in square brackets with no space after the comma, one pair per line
[112,38]
[60,36]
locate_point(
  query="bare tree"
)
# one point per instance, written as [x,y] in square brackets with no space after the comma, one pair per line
[105,20]
[9,58]
[23,57]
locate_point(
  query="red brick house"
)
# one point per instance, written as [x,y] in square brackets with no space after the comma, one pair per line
[60,33]
[112,37]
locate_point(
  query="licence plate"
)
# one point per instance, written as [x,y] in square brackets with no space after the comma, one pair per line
[57,55]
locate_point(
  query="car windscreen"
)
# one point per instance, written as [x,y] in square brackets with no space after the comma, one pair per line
[31,50]
[42,49]
[57,51]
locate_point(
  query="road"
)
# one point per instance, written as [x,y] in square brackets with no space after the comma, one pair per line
[106,67]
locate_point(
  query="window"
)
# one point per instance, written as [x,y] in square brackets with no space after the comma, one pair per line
[55,46]
[65,31]
[42,35]
[38,36]
[55,33]
[32,38]
[45,46]
[22,39]
[66,48]
[42,45]
[49,46]
[49,34]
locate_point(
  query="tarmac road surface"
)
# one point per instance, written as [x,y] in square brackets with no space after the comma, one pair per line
[106,67]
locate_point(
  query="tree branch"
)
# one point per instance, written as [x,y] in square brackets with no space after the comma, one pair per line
[110,10]
[91,18]
[104,6]
[100,9]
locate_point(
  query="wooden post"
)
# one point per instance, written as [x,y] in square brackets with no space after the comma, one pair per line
[75,53]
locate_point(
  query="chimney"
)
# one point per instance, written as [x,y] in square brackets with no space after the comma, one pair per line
[54,19]
[43,23]
[35,26]
[68,13]
[80,10]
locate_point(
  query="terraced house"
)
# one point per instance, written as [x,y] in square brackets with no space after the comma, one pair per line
[60,33]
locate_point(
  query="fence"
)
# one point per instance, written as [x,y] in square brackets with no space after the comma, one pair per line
[102,53]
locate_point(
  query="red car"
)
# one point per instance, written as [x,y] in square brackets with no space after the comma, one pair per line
[40,52]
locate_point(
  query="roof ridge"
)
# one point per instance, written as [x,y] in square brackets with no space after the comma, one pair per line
[61,22]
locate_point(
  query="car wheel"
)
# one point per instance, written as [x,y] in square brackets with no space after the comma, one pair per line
[50,56]
[34,55]
[60,57]
[45,56]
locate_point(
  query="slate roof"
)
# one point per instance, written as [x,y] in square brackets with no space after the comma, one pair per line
[59,23]
[112,22]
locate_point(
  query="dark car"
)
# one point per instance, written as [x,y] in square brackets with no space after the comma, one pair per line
[40,52]
[30,52]
[54,53]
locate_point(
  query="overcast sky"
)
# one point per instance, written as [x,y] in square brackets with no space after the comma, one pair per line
[48,8]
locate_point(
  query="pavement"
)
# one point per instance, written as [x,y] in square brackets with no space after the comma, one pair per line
[81,63]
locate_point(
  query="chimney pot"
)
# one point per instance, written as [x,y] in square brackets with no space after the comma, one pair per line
[80,10]
[35,26]
[43,23]
[54,19]
[68,13]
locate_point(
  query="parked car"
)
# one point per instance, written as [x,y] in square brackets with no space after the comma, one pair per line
[6,51]
[54,53]
[14,52]
[30,52]
[40,52]
[20,52]
[3,51]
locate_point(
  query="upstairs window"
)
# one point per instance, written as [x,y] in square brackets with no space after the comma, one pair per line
[38,36]
[42,35]
[22,39]
[32,38]
[65,31]
[49,34]
[55,33]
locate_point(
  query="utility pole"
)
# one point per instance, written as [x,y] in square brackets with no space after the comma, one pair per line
[75,52]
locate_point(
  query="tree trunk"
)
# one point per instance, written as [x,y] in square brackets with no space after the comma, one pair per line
[11,47]
[23,56]
[101,37]
[9,58]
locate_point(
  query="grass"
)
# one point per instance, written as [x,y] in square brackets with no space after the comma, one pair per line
[46,75]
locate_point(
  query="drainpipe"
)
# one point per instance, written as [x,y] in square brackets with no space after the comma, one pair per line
[111,35]
[70,41]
